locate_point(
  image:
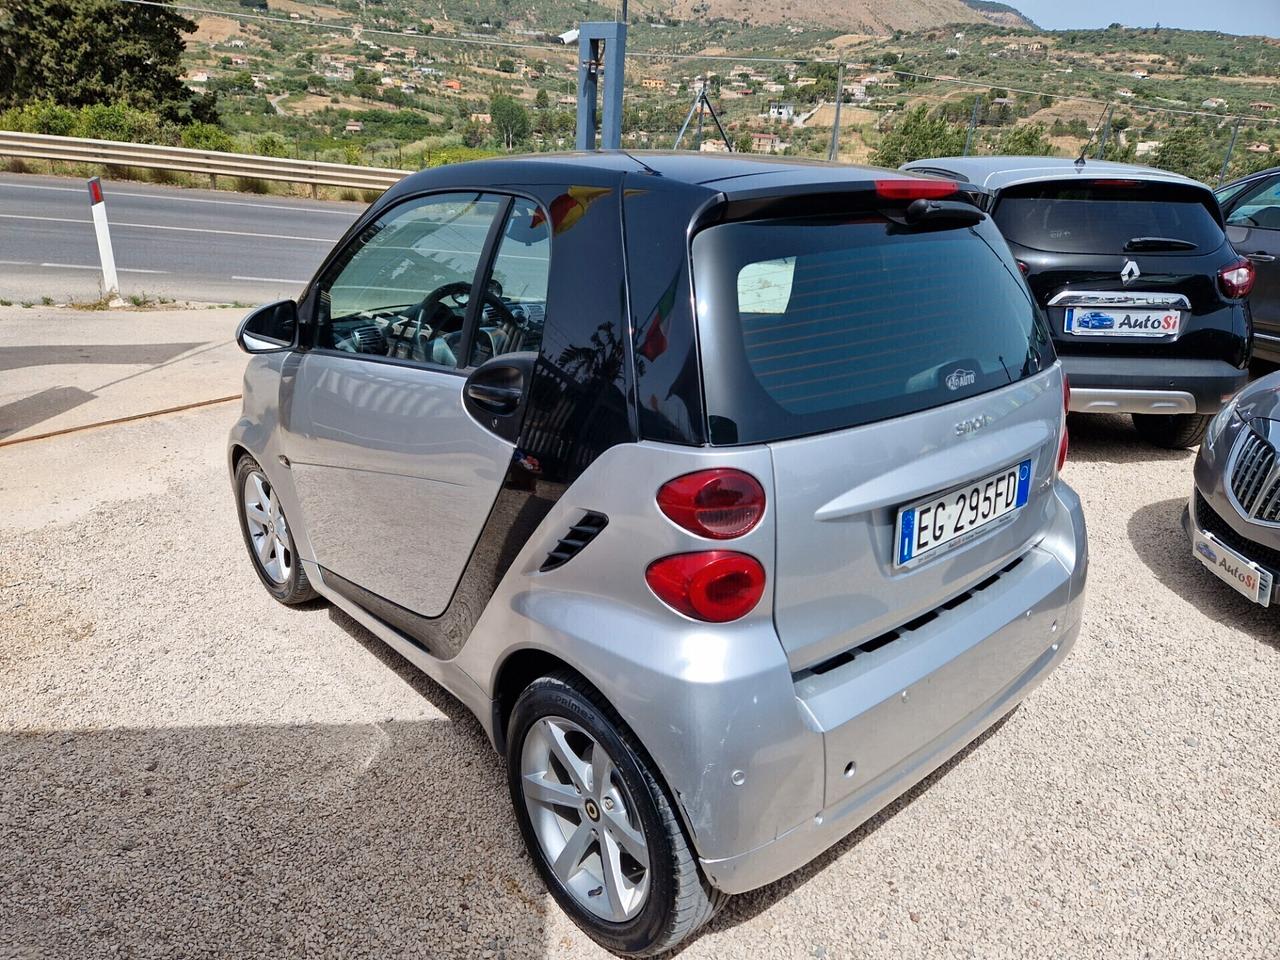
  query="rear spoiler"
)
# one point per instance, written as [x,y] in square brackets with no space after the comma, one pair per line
[892,192]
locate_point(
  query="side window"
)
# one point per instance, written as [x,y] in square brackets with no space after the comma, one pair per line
[516,300]
[1260,207]
[401,288]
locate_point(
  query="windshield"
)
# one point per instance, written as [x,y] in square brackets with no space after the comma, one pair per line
[1107,216]
[813,325]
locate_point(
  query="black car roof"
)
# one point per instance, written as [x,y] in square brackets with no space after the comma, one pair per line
[730,173]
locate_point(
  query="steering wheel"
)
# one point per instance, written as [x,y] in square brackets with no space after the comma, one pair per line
[432,305]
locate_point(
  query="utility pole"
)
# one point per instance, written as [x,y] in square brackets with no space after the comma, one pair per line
[833,153]
[1231,147]
[973,123]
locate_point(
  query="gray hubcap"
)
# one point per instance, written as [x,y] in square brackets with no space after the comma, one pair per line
[584,818]
[268,531]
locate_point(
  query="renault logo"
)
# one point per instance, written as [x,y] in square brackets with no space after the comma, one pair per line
[1130,272]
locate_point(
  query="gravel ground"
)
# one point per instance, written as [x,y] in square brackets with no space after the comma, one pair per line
[189,769]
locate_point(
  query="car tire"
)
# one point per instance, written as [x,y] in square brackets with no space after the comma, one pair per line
[267,537]
[677,899]
[1176,431]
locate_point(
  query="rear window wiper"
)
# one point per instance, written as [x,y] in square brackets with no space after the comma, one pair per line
[1158,243]
[922,214]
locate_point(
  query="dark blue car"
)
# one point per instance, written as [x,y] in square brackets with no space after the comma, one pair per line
[1095,321]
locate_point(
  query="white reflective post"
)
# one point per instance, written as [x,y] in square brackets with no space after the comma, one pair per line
[110,282]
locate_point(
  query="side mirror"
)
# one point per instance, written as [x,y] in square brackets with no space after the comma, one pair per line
[269,329]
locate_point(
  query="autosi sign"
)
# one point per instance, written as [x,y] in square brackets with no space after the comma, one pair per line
[1149,323]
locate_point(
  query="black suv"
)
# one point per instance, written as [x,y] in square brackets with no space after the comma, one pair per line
[1144,293]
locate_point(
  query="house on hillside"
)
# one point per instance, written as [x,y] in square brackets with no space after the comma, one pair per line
[1262,106]
[454,85]
[1259,147]
[1213,103]
[782,110]
[653,83]
[714,146]
[767,143]
[353,126]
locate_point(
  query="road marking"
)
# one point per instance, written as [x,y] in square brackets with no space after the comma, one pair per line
[161,196]
[301,283]
[16,263]
[327,241]
[81,266]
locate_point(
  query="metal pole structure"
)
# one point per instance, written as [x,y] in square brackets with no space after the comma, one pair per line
[601,49]
[1231,147]
[973,123]
[98,210]
[833,153]
[1106,131]
[702,100]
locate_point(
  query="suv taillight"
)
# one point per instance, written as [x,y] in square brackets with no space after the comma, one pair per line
[1066,405]
[712,585]
[1236,279]
[720,503]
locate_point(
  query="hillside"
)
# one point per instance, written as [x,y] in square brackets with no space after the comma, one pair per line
[1001,14]
[852,16]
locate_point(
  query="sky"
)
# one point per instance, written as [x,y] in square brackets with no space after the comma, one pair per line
[1229,16]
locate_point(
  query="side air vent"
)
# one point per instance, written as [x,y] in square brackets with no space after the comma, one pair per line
[369,340]
[571,544]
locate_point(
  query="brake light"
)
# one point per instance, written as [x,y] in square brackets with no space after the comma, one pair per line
[1023,267]
[1236,279]
[914,189]
[720,503]
[713,585]
[1117,183]
[1066,405]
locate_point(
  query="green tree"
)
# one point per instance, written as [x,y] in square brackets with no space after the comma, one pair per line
[83,52]
[1028,140]
[1186,151]
[916,136]
[510,119]
[541,100]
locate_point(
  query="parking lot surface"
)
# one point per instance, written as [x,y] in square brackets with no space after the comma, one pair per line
[189,769]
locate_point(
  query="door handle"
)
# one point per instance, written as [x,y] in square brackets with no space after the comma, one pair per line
[1260,257]
[493,397]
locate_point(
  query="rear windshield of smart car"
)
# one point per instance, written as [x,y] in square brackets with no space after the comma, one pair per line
[812,325]
[1108,216]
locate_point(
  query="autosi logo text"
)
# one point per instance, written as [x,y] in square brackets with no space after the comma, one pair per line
[1246,577]
[1169,323]
[960,378]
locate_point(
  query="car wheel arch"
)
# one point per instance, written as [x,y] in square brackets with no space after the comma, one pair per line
[524,666]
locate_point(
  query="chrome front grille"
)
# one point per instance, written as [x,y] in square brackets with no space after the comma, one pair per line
[1255,482]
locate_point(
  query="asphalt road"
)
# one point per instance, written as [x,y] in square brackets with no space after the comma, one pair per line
[169,241]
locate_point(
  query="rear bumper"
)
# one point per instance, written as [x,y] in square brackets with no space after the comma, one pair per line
[889,718]
[1150,384]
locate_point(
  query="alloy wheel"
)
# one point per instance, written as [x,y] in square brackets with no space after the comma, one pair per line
[268,530]
[585,819]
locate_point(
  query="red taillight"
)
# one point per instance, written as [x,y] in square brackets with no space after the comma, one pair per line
[1066,405]
[714,585]
[913,189]
[1236,279]
[720,504]
[1023,267]
[1124,184]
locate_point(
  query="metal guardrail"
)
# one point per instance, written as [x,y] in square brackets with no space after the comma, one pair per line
[210,163]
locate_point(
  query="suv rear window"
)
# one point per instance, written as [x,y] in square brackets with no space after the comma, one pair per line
[820,324]
[1102,216]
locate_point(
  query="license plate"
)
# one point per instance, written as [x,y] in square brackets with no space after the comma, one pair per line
[1115,322]
[1232,568]
[960,515]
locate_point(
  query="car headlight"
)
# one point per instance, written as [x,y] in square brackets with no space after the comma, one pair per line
[1220,421]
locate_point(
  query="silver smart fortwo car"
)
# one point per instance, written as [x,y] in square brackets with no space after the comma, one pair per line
[1233,518]
[724,491]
